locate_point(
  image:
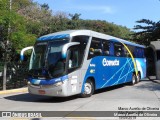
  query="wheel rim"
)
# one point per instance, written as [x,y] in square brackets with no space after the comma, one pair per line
[87,88]
[138,78]
[133,79]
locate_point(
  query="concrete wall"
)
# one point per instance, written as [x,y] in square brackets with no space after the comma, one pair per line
[155,45]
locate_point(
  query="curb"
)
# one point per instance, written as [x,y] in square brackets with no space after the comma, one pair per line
[20,90]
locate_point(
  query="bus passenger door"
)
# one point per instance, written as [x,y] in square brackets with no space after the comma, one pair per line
[73,64]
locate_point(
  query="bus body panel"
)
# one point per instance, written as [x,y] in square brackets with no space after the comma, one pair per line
[109,71]
[74,82]
[110,74]
[141,66]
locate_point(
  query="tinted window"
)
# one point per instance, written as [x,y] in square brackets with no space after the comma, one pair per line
[95,48]
[83,40]
[132,50]
[126,52]
[139,52]
[158,55]
[73,59]
[118,50]
[106,47]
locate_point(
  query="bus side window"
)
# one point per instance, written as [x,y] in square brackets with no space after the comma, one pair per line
[73,59]
[126,53]
[118,50]
[106,47]
[139,52]
[158,54]
[132,50]
[95,48]
[83,40]
[143,53]
[136,52]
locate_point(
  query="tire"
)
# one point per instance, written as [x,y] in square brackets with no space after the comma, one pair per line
[88,89]
[133,79]
[138,78]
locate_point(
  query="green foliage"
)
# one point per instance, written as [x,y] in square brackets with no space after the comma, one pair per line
[148,31]
[18,35]
[45,6]
[29,20]
[4,19]
[101,26]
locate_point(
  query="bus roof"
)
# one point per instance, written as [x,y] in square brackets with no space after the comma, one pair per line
[70,33]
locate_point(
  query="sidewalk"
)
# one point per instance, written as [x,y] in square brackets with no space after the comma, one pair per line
[19,90]
[153,79]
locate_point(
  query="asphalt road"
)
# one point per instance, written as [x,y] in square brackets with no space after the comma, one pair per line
[144,95]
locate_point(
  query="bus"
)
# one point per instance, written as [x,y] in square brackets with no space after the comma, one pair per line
[81,61]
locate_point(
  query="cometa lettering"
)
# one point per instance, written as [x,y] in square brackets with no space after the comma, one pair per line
[106,62]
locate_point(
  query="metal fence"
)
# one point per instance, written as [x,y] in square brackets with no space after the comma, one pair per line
[16,74]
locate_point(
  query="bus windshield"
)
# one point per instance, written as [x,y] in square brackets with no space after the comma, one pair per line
[38,54]
[47,55]
[55,63]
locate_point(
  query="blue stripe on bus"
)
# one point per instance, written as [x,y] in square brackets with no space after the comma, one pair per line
[53,37]
[48,82]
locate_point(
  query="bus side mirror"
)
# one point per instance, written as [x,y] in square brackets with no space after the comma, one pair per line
[66,46]
[23,50]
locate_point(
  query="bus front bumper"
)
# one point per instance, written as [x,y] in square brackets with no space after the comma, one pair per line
[58,89]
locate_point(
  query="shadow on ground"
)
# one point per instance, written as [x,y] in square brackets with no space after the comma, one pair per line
[26,97]
[41,99]
[151,84]
[110,88]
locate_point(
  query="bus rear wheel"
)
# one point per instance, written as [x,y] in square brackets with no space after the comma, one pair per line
[88,89]
[138,78]
[133,79]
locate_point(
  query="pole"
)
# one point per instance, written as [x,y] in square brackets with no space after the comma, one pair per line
[7,42]
[5,75]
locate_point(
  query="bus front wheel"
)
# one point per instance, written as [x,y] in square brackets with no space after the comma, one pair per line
[88,89]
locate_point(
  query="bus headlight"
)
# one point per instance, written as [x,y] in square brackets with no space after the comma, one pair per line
[58,83]
[28,82]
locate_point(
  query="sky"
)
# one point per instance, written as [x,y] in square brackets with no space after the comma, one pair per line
[120,12]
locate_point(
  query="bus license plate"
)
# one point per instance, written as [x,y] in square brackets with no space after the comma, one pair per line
[42,92]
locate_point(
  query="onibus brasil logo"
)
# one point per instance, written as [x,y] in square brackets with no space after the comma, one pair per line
[106,62]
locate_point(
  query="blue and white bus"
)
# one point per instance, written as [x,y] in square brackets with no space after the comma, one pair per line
[81,61]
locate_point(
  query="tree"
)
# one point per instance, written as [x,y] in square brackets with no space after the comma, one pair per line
[59,22]
[75,16]
[13,34]
[45,6]
[147,32]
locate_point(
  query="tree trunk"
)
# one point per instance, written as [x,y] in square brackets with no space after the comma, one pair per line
[5,75]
